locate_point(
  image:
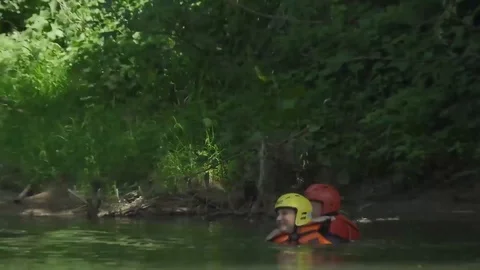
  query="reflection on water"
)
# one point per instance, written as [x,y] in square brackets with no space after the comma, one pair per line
[189,244]
[306,258]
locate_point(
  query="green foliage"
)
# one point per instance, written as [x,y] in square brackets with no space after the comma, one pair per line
[122,89]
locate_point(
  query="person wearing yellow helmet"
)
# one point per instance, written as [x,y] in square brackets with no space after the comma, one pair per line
[294,222]
[292,210]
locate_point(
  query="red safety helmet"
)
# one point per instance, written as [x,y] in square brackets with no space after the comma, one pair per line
[326,194]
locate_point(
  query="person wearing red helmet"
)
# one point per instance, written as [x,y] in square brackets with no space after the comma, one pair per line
[326,203]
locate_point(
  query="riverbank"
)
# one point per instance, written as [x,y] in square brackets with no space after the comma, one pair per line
[213,204]
[62,202]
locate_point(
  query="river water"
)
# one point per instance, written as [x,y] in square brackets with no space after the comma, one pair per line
[46,243]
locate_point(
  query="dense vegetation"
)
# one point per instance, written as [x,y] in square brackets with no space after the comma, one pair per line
[135,90]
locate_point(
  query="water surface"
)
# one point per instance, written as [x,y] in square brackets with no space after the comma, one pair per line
[46,243]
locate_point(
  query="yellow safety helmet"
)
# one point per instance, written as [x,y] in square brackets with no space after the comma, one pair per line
[298,202]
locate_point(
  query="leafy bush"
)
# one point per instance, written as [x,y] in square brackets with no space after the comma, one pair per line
[122,89]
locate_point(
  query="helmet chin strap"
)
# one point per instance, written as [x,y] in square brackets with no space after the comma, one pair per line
[321,219]
[294,236]
[331,214]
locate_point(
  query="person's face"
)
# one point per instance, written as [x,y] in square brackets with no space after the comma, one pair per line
[316,209]
[286,219]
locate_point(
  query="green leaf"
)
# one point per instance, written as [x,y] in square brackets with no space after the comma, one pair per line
[56,32]
[260,74]
[37,22]
[428,55]
[313,128]
[256,136]
[207,122]
[288,104]
[401,65]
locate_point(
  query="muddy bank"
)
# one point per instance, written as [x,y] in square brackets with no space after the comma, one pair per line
[51,202]
[431,205]
[211,204]
[63,202]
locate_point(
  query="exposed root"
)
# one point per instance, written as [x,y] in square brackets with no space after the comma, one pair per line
[22,194]
[192,204]
[59,200]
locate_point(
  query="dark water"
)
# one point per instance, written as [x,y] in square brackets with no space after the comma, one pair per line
[193,244]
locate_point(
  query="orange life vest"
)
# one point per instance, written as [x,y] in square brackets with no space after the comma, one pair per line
[307,234]
[341,227]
